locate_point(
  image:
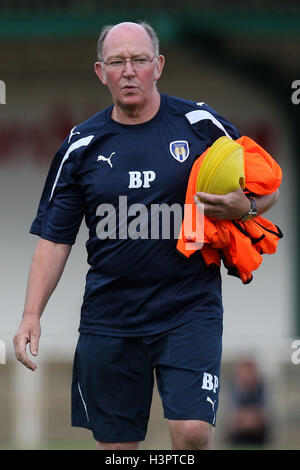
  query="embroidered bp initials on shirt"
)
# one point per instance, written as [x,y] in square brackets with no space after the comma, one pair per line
[138,179]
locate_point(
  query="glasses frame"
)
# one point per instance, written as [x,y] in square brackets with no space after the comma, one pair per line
[124,62]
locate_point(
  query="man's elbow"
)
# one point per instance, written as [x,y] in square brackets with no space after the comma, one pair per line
[50,246]
[276,197]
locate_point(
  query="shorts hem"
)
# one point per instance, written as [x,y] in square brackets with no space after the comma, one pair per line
[207,420]
[114,441]
[99,438]
[85,426]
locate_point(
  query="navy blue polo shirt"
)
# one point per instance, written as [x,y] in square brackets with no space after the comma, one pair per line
[129,182]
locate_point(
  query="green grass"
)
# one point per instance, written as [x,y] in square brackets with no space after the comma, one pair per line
[53,445]
[90,445]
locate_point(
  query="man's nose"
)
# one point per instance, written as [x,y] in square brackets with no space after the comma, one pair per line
[128,69]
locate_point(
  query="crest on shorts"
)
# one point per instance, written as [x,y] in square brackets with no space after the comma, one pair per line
[180,150]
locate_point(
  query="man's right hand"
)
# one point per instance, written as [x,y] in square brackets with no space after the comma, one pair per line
[48,263]
[29,331]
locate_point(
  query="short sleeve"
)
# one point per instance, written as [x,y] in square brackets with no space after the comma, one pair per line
[207,123]
[61,206]
[226,127]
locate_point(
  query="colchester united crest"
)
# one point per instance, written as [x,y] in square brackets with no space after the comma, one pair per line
[180,150]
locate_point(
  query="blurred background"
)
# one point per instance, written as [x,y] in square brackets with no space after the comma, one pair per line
[243,59]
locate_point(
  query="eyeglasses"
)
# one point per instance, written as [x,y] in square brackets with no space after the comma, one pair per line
[137,63]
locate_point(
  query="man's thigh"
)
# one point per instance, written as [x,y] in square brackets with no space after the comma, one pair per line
[188,371]
[111,388]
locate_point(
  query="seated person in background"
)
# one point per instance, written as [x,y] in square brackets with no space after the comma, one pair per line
[249,421]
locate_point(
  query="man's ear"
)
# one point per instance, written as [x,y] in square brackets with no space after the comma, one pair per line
[160,62]
[100,72]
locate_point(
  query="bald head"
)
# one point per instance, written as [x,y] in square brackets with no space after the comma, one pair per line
[120,33]
[129,65]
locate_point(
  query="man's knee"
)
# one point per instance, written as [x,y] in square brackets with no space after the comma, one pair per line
[197,436]
[117,445]
[192,435]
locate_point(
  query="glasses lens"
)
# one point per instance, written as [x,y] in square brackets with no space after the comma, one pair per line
[140,62]
[116,64]
[136,62]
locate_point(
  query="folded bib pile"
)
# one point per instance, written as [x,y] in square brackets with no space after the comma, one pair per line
[240,245]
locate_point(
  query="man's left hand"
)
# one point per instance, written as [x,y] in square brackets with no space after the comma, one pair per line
[231,206]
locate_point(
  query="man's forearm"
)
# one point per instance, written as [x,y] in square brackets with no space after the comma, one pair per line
[264,203]
[47,266]
[232,206]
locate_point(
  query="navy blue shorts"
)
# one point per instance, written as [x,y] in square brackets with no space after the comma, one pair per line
[113,379]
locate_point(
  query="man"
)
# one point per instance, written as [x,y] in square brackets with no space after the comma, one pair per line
[145,307]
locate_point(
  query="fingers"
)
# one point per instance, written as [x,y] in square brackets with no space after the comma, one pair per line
[222,206]
[216,199]
[207,204]
[209,198]
[199,203]
[34,344]
[20,342]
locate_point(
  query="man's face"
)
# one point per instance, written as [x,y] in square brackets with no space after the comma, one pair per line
[130,86]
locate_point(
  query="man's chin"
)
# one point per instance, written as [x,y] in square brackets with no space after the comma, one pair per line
[131,98]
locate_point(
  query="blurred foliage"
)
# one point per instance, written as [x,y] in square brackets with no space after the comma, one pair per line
[171,18]
[92,6]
